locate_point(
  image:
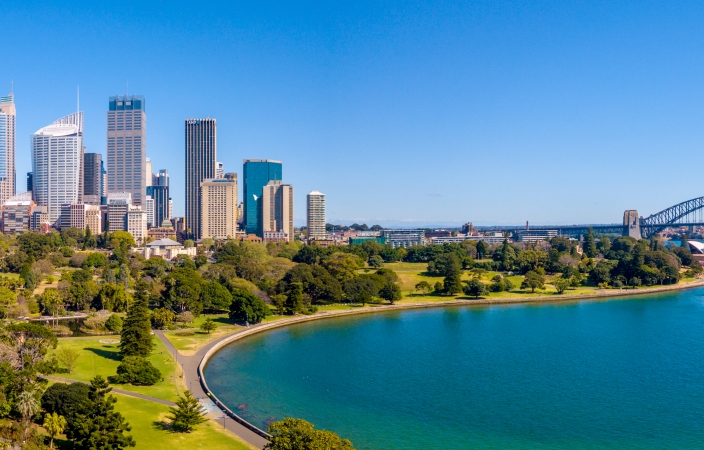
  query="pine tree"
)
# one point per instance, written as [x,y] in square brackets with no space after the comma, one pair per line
[136,338]
[294,298]
[589,245]
[99,426]
[188,414]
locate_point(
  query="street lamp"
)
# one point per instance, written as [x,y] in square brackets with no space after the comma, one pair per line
[223,417]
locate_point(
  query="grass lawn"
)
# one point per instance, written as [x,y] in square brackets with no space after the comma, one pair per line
[149,429]
[102,359]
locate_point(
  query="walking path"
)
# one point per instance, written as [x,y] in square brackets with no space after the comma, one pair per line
[189,365]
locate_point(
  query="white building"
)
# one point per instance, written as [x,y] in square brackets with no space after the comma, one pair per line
[57,156]
[277,208]
[7,147]
[137,224]
[315,214]
[165,248]
[150,211]
[218,208]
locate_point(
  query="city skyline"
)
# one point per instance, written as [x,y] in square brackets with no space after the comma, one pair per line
[549,96]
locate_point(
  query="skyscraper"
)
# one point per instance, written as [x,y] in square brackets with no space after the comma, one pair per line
[162,178]
[127,146]
[277,209]
[160,196]
[257,173]
[315,214]
[57,154]
[29,182]
[201,153]
[219,170]
[219,206]
[92,178]
[148,175]
[8,131]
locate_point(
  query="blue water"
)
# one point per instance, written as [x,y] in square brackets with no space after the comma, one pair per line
[608,374]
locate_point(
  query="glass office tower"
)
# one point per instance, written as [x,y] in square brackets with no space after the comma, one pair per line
[7,147]
[257,173]
[127,146]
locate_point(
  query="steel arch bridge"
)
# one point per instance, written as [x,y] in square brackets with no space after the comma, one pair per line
[688,213]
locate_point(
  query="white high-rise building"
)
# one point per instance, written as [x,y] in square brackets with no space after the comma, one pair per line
[219,170]
[8,144]
[150,212]
[316,215]
[219,208]
[137,224]
[57,157]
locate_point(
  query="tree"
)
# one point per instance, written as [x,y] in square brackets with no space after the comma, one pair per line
[589,245]
[423,286]
[390,292]
[161,317]
[98,425]
[360,290]
[533,280]
[188,243]
[215,296]
[65,399]
[137,371]
[136,338]
[247,306]
[27,405]
[68,357]
[114,323]
[54,424]
[343,266]
[187,414]
[474,288]
[375,261]
[482,249]
[208,325]
[121,241]
[452,284]
[294,298]
[289,434]
[561,284]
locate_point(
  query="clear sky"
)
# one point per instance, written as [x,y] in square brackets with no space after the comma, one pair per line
[401,112]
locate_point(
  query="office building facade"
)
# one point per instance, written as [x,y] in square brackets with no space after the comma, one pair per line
[257,173]
[8,142]
[277,209]
[17,213]
[201,154]
[127,146]
[57,156]
[92,178]
[119,204]
[219,208]
[160,197]
[315,215]
[29,181]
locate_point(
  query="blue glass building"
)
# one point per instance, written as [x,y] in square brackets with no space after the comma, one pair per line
[257,173]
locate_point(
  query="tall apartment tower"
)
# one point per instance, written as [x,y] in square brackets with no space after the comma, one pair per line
[219,206]
[8,142]
[127,146]
[257,173]
[57,156]
[92,178]
[277,209]
[201,153]
[315,214]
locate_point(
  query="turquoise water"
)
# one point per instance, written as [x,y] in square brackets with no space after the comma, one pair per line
[609,374]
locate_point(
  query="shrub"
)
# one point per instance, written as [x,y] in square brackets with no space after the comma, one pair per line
[185,333]
[97,321]
[114,323]
[137,371]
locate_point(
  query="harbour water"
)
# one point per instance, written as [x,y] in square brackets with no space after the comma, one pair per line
[625,373]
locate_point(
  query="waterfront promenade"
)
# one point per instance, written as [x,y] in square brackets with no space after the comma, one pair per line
[191,363]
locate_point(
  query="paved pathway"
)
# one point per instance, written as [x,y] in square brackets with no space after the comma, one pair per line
[190,370]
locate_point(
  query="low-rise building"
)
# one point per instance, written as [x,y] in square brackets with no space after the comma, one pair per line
[40,219]
[165,248]
[249,238]
[275,236]
[535,235]
[165,231]
[404,238]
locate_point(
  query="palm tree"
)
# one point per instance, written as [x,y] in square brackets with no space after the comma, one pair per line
[54,424]
[28,406]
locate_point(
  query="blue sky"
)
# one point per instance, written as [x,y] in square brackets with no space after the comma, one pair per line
[401,112]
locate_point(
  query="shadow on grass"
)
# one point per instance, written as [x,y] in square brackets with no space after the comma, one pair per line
[113,354]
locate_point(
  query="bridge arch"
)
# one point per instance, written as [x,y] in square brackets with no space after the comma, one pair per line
[657,222]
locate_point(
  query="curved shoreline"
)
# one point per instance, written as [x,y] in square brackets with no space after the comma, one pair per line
[454,302]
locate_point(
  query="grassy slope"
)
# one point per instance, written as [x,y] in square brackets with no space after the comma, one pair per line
[103,359]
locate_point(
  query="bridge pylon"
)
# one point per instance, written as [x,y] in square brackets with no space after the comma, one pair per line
[631,224]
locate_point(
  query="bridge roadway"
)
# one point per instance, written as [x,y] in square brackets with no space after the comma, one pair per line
[580,230]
